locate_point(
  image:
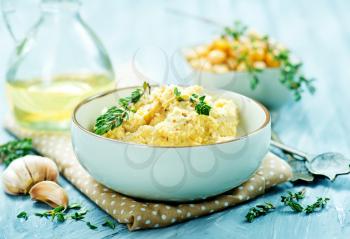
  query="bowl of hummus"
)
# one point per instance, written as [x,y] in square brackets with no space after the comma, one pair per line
[170,143]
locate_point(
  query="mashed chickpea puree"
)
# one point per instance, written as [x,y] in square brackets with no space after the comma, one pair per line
[168,116]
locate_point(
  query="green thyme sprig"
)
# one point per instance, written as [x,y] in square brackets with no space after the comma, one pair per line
[291,76]
[319,204]
[253,71]
[291,200]
[201,107]
[74,206]
[238,30]
[177,94]
[108,223]
[258,211]
[57,212]
[116,115]
[80,215]
[15,149]
[61,214]
[23,215]
[91,226]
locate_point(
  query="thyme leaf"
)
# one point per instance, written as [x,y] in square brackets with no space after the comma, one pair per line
[238,30]
[91,226]
[319,204]
[291,76]
[15,149]
[23,215]
[57,212]
[109,224]
[75,206]
[115,116]
[259,210]
[201,107]
[291,200]
[177,94]
[80,215]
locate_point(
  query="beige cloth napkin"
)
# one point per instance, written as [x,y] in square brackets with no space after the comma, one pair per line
[139,214]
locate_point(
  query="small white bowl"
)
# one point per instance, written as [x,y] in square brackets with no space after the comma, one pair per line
[269,90]
[171,173]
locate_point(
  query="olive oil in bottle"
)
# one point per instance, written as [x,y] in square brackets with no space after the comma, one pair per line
[49,106]
[59,62]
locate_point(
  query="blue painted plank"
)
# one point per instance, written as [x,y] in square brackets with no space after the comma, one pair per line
[317,31]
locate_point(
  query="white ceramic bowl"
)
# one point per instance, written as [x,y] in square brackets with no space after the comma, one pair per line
[269,90]
[171,173]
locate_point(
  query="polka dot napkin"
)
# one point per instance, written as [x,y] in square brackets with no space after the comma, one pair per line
[139,214]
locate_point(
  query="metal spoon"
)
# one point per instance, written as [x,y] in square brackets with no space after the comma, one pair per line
[329,164]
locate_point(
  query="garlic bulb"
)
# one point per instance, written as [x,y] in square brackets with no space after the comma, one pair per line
[50,193]
[24,172]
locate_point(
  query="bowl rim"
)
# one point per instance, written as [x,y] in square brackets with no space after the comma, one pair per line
[100,95]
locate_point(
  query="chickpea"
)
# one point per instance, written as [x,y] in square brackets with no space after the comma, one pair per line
[257,55]
[190,54]
[271,61]
[216,56]
[243,49]
[195,63]
[259,65]
[241,67]
[231,63]
[221,68]
[221,44]
[235,44]
[259,45]
[253,34]
[201,50]
[204,65]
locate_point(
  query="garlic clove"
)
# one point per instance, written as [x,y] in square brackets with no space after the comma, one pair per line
[50,193]
[12,185]
[24,172]
[16,178]
[41,168]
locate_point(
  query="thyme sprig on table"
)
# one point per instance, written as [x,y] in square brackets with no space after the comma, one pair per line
[116,115]
[23,215]
[108,223]
[259,210]
[57,212]
[290,200]
[319,204]
[91,226]
[61,214]
[15,149]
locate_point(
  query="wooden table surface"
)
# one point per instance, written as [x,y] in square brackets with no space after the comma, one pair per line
[317,31]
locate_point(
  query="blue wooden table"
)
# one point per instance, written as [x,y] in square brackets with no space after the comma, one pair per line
[317,31]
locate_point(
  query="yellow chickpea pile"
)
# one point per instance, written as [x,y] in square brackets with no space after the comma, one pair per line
[226,54]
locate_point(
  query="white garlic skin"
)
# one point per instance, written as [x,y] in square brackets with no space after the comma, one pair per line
[50,193]
[24,172]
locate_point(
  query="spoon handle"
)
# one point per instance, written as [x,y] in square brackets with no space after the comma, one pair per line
[288,149]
